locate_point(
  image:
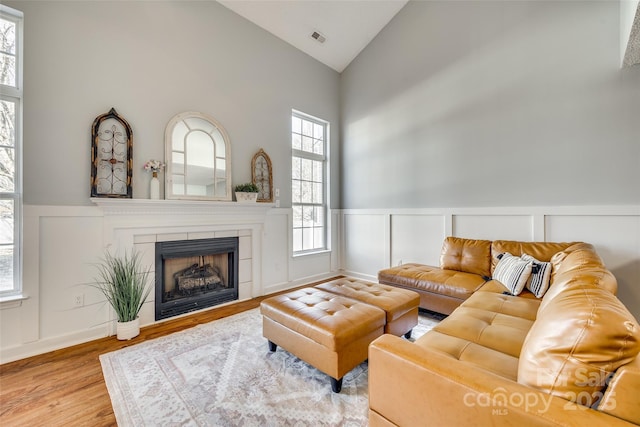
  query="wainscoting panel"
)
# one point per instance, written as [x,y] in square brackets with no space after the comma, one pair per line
[366,243]
[617,240]
[379,238]
[509,227]
[417,238]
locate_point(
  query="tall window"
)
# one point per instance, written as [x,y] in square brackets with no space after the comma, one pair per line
[10,150]
[308,182]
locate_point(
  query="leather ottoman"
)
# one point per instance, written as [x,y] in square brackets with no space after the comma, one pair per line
[400,305]
[328,331]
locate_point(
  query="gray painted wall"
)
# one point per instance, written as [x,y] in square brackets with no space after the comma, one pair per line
[152,60]
[481,103]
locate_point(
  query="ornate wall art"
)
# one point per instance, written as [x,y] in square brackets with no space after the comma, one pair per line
[111,156]
[262,176]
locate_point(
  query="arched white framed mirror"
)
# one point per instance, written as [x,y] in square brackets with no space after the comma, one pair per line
[198,157]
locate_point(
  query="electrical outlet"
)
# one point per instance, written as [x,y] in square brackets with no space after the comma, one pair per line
[277,203]
[78,300]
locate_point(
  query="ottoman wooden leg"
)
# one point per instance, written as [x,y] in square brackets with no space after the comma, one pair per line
[408,334]
[336,385]
[272,346]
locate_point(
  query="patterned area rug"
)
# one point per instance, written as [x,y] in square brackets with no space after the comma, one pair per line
[222,374]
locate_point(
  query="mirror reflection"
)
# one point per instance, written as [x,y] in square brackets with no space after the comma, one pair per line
[198,158]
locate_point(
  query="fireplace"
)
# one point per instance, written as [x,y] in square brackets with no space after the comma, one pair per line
[195,274]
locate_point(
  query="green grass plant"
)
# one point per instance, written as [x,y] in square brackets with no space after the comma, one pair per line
[123,282]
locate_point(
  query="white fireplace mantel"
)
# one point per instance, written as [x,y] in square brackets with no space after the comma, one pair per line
[113,206]
[144,216]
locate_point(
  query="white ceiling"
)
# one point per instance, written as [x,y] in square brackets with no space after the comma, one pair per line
[348,25]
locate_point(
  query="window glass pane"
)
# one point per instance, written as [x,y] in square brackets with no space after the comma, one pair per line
[295,168]
[7,170]
[6,222]
[318,146]
[318,131]
[307,144]
[318,216]
[318,237]
[307,195]
[7,123]
[6,245]
[317,171]
[6,268]
[307,239]
[8,52]
[297,216]
[317,192]
[296,195]
[297,240]
[307,171]
[7,70]
[296,125]
[296,142]
[307,128]
[307,216]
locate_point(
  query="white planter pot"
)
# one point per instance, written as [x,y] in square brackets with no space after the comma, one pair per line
[242,197]
[128,330]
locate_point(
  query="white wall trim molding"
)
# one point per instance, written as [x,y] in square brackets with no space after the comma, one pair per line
[373,239]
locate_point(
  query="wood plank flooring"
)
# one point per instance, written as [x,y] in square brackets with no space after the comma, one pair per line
[66,387]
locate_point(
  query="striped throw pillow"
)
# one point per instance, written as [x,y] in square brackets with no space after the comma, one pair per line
[513,272]
[538,282]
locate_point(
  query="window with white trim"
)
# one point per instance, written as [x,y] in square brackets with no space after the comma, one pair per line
[10,151]
[309,137]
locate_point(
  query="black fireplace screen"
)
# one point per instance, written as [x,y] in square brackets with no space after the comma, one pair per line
[195,274]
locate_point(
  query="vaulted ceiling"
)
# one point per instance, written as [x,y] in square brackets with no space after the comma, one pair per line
[346,25]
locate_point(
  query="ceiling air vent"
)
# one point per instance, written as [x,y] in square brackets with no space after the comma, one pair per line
[319,37]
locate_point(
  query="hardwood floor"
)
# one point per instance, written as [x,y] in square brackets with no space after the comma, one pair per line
[66,387]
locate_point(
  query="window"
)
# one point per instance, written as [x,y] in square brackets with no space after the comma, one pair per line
[10,150]
[309,183]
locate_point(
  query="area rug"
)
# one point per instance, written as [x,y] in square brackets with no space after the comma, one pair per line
[223,374]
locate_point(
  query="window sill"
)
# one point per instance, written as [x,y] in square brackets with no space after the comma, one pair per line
[12,301]
[318,252]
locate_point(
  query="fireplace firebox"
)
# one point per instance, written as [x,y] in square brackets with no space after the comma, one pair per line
[195,274]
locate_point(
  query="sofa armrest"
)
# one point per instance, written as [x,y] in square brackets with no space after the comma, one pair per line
[410,385]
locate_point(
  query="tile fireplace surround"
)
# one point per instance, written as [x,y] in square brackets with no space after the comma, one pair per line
[140,223]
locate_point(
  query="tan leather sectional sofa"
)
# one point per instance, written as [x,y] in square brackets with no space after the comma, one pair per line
[569,358]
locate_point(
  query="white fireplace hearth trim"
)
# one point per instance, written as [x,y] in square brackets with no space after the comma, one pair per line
[136,223]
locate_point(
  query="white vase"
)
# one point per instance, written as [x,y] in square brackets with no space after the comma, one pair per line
[128,330]
[242,197]
[154,187]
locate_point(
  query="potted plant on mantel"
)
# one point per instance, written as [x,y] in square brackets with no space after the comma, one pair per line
[246,193]
[123,281]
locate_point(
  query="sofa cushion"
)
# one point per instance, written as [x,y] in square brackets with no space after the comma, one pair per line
[452,283]
[513,272]
[457,348]
[467,255]
[578,339]
[497,331]
[539,250]
[538,282]
[525,308]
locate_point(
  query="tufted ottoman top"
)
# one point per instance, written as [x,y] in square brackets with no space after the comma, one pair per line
[328,319]
[394,301]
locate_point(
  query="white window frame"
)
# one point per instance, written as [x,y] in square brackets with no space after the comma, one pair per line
[15,95]
[325,181]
